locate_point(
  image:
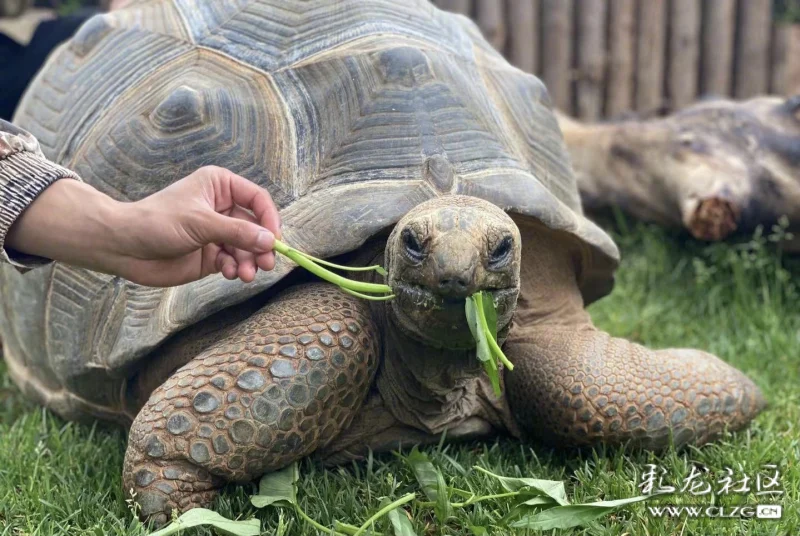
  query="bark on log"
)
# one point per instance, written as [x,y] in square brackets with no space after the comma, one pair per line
[557,51]
[523,22]
[456,6]
[753,47]
[719,29]
[786,59]
[619,82]
[591,37]
[650,58]
[684,52]
[489,14]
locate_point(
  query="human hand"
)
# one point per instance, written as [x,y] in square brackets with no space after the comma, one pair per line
[211,221]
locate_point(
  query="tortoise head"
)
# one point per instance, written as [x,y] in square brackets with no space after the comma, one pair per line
[440,253]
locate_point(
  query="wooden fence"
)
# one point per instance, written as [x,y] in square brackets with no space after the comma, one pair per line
[602,58]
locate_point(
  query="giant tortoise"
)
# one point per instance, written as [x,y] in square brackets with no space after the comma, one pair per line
[387,132]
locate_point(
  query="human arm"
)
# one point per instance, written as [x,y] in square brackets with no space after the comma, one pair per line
[210,221]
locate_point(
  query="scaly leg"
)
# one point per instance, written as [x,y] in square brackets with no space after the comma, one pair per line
[277,387]
[576,387]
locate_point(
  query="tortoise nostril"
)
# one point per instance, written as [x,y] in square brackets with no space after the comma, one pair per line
[453,285]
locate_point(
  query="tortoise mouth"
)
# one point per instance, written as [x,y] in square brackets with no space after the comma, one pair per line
[441,321]
[423,298]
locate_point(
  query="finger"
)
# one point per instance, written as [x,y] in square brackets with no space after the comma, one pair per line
[214,228]
[245,259]
[228,266]
[249,195]
[208,260]
[220,258]
[265,261]
[246,263]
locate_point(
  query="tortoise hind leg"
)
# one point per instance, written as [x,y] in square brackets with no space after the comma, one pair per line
[277,387]
[577,387]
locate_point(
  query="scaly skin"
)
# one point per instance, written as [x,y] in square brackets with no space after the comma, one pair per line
[281,384]
[574,385]
[579,386]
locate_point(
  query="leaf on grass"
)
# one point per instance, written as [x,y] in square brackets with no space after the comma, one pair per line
[202,516]
[400,523]
[530,506]
[547,488]
[432,482]
[539,500]
[277,488]
[477,530]
[574,515]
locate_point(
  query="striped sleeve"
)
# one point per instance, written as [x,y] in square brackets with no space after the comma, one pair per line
[24,174]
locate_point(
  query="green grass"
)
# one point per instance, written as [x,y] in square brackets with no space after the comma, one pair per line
[738,301]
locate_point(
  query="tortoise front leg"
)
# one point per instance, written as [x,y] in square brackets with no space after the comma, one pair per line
[576,386]
[282,384]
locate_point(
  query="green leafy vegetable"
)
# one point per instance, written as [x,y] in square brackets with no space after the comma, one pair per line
[277,488]
[432,483]
[573,515]
[280,489]
[369,291]
[482,321]
[535,504]
[552,489]
[201,516]
[401,525]
[384,511]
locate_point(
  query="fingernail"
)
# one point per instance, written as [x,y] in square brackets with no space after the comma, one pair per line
[264,241]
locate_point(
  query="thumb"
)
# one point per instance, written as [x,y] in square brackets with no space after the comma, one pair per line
[241,234]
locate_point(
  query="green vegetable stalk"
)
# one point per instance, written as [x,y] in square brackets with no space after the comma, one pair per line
[482,321]
[368,291]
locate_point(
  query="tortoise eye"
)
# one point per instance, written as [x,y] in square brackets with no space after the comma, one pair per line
[414,248]
[501,253]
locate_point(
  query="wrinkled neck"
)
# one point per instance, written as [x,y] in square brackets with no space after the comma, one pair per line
[425,387]
[549,290]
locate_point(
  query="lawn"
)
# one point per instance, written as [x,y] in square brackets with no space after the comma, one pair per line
[738,301]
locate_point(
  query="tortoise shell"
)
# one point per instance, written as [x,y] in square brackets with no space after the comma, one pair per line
[349,112]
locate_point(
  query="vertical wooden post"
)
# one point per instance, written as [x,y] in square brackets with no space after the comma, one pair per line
[556,59]
[489,14]
[753,47]
[719,29]
[650,46]
[619,82]
[684,52]
[523,22]
[785,76]
[463,7]
[591,42]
